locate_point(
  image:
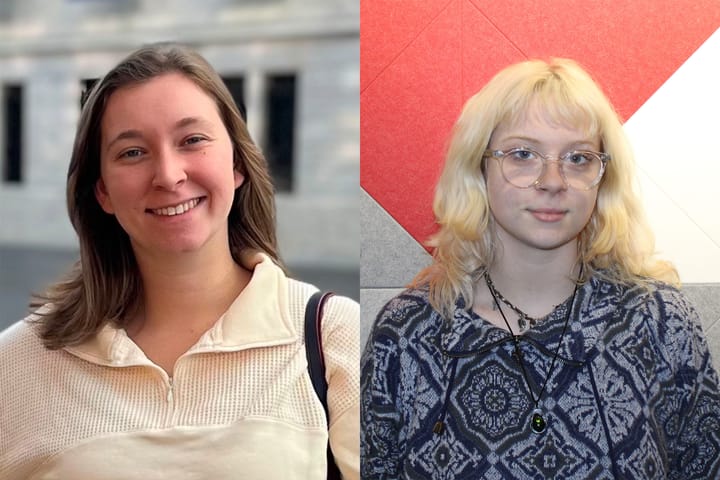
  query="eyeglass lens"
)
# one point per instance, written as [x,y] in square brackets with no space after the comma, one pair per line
[523,168]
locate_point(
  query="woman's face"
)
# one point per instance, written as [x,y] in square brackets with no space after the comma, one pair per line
[167,166]
[550,215]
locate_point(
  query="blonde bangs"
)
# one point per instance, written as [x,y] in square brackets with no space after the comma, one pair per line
[561,103]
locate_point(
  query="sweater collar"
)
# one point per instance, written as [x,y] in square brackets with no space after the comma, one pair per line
[259,317]
[597,303]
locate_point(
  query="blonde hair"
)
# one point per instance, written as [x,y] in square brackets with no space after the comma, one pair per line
[617,242]
[105,284]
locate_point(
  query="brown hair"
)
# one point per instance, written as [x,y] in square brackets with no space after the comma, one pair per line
[105,284]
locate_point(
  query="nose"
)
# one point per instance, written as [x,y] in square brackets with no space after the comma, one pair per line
[169,170]
[552,178]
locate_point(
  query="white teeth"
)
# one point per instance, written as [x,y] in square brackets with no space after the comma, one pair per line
[177,209]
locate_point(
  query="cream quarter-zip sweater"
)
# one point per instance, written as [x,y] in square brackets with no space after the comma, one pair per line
[240,405]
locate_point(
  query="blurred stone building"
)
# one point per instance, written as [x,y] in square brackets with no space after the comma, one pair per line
[291,64]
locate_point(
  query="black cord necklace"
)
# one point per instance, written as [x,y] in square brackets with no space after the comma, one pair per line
[537,421]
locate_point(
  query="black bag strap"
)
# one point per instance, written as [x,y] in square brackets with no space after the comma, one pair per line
[316,362]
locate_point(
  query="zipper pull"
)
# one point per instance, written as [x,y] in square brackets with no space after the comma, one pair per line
[170,390]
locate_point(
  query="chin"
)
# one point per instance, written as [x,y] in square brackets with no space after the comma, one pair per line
[177,246]
[550,243]
[186,247]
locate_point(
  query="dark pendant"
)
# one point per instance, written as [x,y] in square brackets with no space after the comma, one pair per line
[538,421]
[522,323]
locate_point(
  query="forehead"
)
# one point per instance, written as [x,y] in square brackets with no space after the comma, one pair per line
[155,102]
[538,120]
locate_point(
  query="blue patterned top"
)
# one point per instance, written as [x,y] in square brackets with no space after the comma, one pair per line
[633,394]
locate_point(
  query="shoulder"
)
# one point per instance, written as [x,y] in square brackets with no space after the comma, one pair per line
[652,298]
[678,326]
[661,312]
[20,340]
[24,359]
[338,308]
[410,307]
[26,369]
[406,321]
[659,305]
[402,344]
[340,318]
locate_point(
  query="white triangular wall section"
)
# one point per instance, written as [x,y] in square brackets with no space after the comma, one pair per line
[675,138]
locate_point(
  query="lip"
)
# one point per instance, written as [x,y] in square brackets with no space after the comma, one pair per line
[174,204]
[548,215]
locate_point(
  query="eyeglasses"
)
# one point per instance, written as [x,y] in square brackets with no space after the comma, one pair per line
[524,168]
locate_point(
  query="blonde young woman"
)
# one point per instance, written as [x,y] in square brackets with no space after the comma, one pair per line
[544,341]
[175,348]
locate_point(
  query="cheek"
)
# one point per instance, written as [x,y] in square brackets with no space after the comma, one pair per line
[501,196]
[493,186]
[587,206]
[123,191]
[119,187]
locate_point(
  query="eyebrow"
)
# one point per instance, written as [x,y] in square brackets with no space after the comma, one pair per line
[187,121]
[135,134]
[125,134]
[586,143]
[520,138]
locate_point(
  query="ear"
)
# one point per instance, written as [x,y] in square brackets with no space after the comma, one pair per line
[102,197]
[239,178]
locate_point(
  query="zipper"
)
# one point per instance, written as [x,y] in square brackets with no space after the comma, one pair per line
[170,391]
[171,404]
[169,400]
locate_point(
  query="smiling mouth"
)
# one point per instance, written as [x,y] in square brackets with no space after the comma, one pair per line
[176,209]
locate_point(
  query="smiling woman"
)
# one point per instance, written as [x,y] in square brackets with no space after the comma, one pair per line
[175,347]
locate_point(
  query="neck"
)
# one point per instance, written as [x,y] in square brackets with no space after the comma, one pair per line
[535,281]
[188,290]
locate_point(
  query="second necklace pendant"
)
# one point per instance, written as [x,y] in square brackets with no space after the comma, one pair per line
[523,323]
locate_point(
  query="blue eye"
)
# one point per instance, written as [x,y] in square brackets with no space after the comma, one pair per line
[579,158]
[131,153]
[521,154]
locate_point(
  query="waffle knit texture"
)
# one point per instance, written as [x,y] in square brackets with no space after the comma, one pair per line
[240,403]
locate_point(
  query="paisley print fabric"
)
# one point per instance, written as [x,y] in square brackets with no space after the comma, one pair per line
[633,393]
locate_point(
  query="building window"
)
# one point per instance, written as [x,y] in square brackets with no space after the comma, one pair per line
[12,117]
[236,85]
[280,130]
[86,86]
